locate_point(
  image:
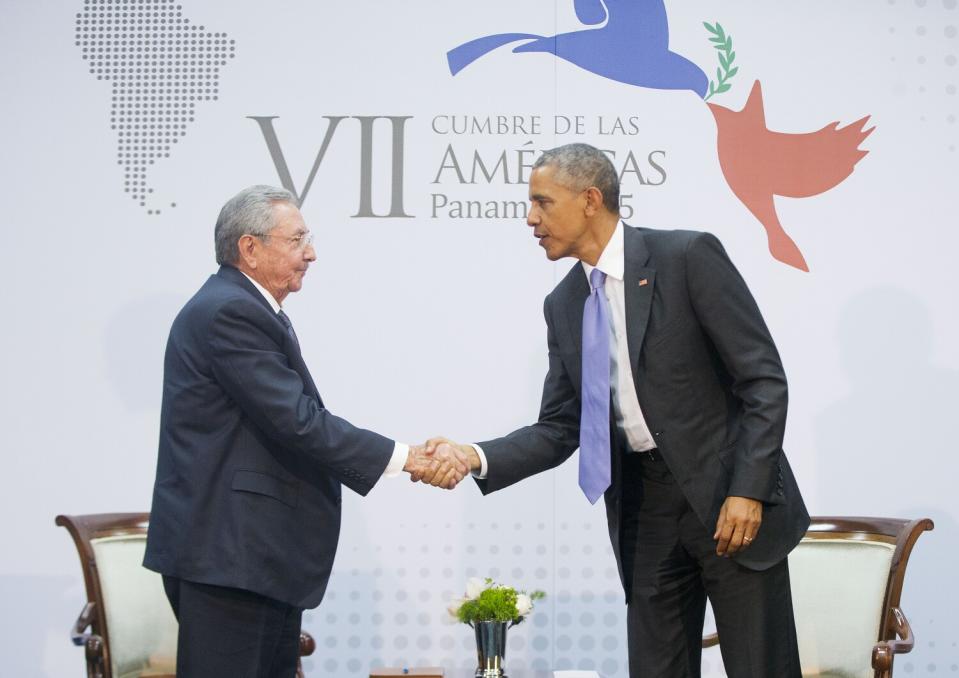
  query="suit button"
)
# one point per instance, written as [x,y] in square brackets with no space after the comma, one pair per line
[657,434]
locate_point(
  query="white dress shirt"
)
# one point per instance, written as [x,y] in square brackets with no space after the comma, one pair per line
[400,450]
[628,414]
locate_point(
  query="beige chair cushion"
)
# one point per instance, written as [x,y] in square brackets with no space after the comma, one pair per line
[140,623]
[837,590]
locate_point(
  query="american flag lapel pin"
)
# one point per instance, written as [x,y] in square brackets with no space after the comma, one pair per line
[643,282]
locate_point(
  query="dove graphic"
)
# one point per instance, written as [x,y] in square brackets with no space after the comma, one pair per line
[758,164]
[632,46]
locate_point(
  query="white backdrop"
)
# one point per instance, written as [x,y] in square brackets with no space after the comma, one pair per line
[432,323]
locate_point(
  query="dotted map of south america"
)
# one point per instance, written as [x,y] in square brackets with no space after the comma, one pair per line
[160,67]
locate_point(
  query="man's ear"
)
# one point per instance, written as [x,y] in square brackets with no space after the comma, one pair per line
[247,245]
[594,201]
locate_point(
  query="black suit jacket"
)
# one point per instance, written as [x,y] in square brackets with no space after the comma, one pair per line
[250,465]
[709,381]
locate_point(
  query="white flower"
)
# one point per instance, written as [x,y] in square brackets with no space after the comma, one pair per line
[454,607]
[524,605]
[474,587]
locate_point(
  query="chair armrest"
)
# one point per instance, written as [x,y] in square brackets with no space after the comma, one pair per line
[82,623]
[90,641]
[711,640]
[884,651]
[307,644]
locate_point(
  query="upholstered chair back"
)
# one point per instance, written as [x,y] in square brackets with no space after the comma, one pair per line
[838,587]
[140,623]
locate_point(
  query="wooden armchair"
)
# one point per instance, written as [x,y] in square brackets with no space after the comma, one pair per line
[846,578]
[126,627]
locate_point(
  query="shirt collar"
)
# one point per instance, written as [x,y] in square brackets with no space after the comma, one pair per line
[274,304]
[612,261]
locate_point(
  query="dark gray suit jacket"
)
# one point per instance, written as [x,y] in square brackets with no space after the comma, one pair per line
[709,380]
[247,491]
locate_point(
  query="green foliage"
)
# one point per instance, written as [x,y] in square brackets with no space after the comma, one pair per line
[724,73]
[495,603]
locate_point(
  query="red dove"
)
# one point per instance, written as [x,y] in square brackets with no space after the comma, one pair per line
[759,164]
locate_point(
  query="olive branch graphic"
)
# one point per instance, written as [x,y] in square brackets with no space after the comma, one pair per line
[725,71]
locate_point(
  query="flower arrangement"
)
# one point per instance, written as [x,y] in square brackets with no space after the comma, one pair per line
[487,601]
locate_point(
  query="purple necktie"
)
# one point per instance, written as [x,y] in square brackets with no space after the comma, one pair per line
[594,454]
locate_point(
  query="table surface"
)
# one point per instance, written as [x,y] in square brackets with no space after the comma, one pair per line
[510,673]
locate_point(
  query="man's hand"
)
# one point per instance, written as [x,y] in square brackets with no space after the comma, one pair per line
[738,524]
[468,452]
[443,466]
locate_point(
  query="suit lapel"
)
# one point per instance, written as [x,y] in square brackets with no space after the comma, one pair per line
[297,363]
[578,293]
[639,281]
[290,347]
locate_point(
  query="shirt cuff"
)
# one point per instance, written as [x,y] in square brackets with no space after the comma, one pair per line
[401,452]
[481,474]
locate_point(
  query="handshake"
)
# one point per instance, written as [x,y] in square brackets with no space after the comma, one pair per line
[441,463]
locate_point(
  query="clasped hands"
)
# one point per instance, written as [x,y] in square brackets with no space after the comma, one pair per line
[440,462]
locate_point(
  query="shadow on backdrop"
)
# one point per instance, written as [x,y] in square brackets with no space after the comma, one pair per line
[133,345]
[888,448]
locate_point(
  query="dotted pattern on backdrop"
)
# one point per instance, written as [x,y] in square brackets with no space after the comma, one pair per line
[160,66]
[393,612]
[387,607]
[924,37]
[928,38]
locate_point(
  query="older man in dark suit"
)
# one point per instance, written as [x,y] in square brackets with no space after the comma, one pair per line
[663,373]
[246,506]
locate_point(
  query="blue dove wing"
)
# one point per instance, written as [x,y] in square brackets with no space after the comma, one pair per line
[590,12]
[643,20]
[644,24]
[632,47]
[460,57]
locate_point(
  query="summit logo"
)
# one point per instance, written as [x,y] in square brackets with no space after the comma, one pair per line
[628,42]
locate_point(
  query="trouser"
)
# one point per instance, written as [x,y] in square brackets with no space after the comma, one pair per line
[231,633]
[670,562]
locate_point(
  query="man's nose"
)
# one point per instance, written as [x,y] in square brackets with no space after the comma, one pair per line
[309,254]
[532,219]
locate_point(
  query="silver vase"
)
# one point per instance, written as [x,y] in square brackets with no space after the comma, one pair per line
[490,648]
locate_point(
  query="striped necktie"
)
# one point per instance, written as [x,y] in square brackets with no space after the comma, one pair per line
[285,319]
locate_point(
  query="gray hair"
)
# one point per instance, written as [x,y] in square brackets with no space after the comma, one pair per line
[249,212]
[579,166]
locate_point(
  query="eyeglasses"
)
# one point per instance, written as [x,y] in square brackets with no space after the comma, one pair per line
[300,241]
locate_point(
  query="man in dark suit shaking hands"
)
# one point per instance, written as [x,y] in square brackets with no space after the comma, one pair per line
[246,505]
[663,373]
